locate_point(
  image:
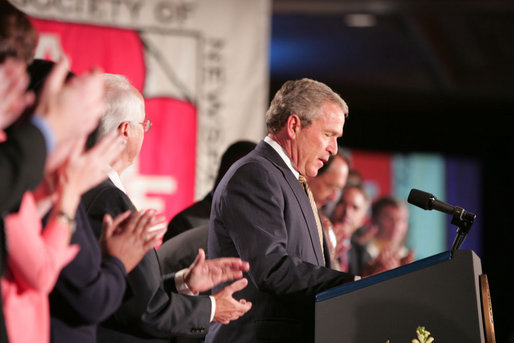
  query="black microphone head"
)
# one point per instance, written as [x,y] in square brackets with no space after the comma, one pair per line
[421,199]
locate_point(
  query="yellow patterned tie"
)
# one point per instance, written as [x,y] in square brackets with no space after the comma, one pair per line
[314,210]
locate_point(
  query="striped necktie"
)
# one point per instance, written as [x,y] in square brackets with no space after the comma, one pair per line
[314,208]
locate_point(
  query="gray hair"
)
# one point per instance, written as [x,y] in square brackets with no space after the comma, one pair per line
[122,104]
[304,98]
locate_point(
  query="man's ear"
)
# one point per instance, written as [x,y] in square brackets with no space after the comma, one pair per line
[123,129]
[293,125]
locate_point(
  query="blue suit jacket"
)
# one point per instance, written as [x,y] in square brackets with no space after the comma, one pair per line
[261,213]
[88,290]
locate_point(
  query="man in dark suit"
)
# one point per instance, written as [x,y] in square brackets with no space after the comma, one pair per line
[263,214]
[152,310]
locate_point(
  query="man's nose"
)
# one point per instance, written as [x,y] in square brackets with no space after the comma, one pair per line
[332,146]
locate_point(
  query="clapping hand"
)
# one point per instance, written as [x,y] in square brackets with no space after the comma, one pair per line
[204,274]
[228,308]
[130,237]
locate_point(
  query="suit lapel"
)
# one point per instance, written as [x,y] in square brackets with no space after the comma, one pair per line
[126,198]
[270,154]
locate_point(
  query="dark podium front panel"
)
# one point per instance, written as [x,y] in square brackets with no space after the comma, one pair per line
[441,293]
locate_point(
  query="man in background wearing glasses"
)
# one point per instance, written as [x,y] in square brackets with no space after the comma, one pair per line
[153,307]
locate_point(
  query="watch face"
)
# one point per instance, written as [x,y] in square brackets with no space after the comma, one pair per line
[65,218]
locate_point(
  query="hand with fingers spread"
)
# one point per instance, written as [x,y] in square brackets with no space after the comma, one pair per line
[228,308]
[71,171]
[86,169]
[13,96]
[71,108]
[204,274]
[128,237]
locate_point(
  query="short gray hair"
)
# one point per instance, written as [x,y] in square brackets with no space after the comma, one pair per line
[122,104]
[304,98]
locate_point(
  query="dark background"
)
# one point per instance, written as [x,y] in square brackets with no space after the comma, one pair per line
[427,76]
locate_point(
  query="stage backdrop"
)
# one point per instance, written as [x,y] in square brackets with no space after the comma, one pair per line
[201,65]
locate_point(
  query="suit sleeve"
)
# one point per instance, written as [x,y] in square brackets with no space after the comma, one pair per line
[148,307]
[22,162]
[252,207]
[90,288]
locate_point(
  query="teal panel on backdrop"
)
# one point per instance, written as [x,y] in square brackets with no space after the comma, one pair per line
[427,229]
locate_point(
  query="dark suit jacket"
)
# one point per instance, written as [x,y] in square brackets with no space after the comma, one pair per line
[150,310]
[261,213]
[358,258]
[22,162]
[88,290]
[178,253]
[193,216]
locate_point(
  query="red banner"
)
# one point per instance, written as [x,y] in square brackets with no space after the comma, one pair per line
[164,176]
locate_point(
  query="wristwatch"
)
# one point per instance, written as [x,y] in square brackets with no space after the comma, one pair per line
[63,216]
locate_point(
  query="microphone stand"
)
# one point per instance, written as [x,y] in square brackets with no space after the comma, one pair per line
[463,220]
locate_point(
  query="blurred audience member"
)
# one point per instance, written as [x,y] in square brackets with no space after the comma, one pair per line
[349,215]
[198,213]
[63,112]
[331,179]
[18,37]
[99,270]
[326,186]
[35,257]
[354,178]
[387,248]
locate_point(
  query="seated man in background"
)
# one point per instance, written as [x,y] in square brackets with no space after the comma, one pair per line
[387,248]
[152,310]
[198,213]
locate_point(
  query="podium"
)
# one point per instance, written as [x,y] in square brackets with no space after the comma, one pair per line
[443,293]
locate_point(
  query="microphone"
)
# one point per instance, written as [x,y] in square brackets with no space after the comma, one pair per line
[427,201]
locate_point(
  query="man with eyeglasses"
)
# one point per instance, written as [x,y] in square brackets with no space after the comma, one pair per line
[156,307]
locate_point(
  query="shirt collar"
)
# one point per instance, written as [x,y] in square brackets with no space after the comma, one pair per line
[282,153]
[115,178]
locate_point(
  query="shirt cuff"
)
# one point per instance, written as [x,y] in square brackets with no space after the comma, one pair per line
[46,130]
[183,288]
[181,284]
[213,307]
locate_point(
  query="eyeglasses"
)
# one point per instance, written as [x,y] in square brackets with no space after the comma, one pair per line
[147,124]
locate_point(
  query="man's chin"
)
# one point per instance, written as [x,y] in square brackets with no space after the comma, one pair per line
[312,172]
